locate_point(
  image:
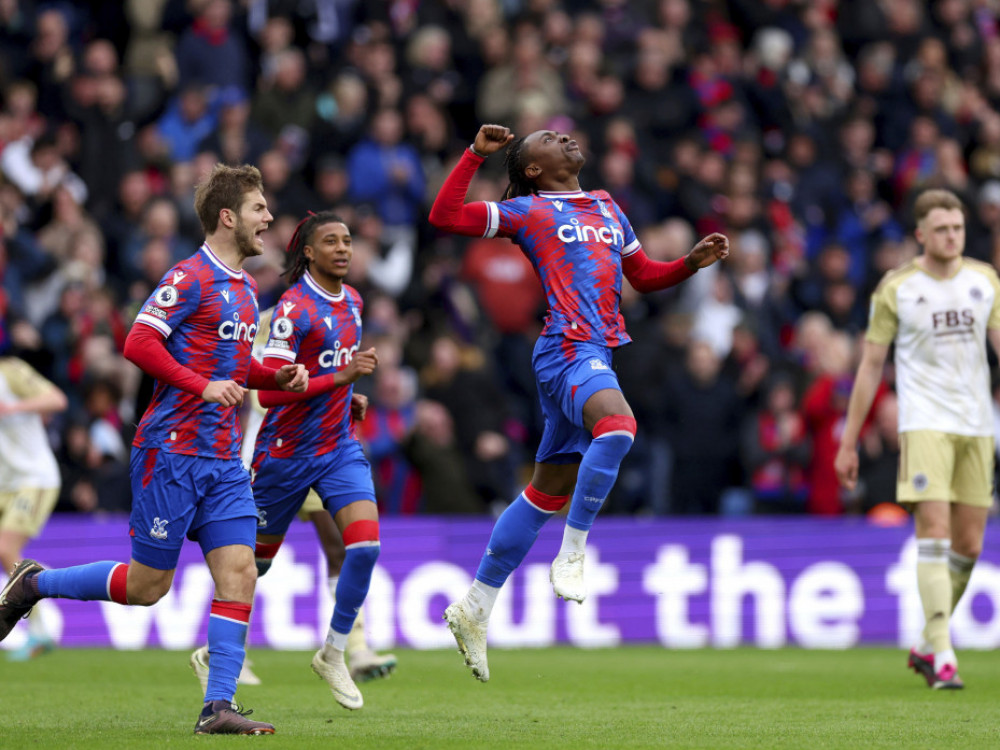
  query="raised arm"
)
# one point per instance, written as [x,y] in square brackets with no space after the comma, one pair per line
[450,211]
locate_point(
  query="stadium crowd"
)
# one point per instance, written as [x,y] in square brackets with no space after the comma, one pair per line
[799,128]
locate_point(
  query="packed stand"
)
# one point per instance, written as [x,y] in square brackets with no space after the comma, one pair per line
[799,129]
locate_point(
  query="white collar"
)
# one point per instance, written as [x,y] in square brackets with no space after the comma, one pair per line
[561,195]
[311,283]
[215,259]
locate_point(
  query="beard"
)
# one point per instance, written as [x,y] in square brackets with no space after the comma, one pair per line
[246,241]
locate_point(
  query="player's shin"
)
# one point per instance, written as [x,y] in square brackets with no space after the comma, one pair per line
[361,542]
[228,623]
[513,535]
[960,570]
[935,588]
[99,581]
[612,441]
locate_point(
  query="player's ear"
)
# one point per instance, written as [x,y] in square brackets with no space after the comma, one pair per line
[226,218]
[532,171]
[309,253]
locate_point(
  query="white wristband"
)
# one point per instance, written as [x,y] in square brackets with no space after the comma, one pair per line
[472,148]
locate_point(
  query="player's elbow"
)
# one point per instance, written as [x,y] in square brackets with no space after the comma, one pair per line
[57,400]
[135,344]
[440,218]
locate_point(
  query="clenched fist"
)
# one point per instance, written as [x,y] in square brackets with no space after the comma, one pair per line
[491,138]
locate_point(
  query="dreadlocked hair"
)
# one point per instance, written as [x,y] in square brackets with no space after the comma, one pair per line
[296,261]
[516,162]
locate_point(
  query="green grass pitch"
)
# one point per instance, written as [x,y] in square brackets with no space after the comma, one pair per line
[552,698]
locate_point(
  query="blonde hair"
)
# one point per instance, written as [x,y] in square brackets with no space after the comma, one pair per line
[928,200]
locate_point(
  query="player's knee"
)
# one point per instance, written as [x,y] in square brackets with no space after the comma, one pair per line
[148,595]
[615,434]
[361,541]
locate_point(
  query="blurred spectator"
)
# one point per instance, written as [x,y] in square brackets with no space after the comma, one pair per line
[526,82]
[209,53]
[160,221]
[458,378]
[51,61]
[285,193]
[434,452]
[775,450]
[386,172]
[862,223]
[703,415]
[37,168]
[824,407]
[391,417]
[878,467]
[342,110]
[285,100]
[188,121]
[237,140]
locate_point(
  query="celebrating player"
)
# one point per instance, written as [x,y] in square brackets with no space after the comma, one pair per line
[307,440]
[194,336]
[939,309]
[363,662]
[29,474]
[580,243]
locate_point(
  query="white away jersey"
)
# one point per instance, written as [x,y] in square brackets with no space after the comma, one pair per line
[26,458]
[939,326]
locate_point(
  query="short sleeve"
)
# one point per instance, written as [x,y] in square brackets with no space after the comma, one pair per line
[883,317]
[24,381]
[289,325]
[994,321]
[507,218]
[631,242]
[174,299]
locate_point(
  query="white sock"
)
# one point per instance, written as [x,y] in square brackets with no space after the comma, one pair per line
[479,600]
[331,584]
[574,540]
[336,643]
[945,657]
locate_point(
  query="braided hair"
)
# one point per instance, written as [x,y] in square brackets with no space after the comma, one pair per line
[296,261]
[516,162]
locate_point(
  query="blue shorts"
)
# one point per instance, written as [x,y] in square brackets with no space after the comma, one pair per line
[280,485]
[175,495]
[568,373]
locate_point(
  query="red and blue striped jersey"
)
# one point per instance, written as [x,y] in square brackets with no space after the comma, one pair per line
[576,242]
[207,313]
[321,331]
